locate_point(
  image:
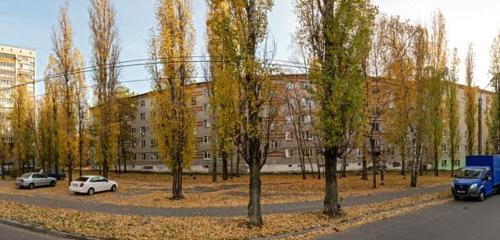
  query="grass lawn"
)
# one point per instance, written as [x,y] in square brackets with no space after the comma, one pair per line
[154,189]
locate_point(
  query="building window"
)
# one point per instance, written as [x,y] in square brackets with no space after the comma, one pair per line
[134,143]
[143,143]
[153,157]
[376,126]
[288,153]
[143,116]
[289,86]
[288,136]
[143,131]
[133,157]
[443,163]
[457,163]
[272,126]
[206,123]
[306,135]
[444,148]
[143,156]
[308,152]
[206,107]
[289,119]
[305,118]
[132,130]
[206,155]
[206,139]
[152,143]
[274,144]
[193,101]
[143,103]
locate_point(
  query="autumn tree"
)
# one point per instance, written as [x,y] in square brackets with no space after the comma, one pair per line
[470,93]
[452,109]
[105,56]
[172,120]
[4,140]
[418,119]
[126,110]
[81,110]
[338,36]
[494,112]
[246,24]
[399,40]
[22,122]
[62,40]
[224,85]
[436,80]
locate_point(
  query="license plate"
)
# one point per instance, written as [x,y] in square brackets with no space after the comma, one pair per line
[75,185]
[460,191]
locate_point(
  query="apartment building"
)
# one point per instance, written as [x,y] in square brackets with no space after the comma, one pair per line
[291,132]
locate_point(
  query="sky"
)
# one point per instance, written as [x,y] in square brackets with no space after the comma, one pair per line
[29,23]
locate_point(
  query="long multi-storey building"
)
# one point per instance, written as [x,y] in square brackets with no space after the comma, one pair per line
[293,142]
[17,66]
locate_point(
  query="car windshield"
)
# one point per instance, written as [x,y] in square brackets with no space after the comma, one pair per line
[82,179]
[471,173]
[26,175]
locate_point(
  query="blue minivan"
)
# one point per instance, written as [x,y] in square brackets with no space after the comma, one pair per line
[478,179]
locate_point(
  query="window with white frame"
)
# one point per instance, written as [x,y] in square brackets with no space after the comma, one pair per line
[143,131]
[307,152]
[143,156]
[152,143]
[274,144]
[143,116]
[143,102]
[305,118]
[206,155]
[289,152]
[289,118]
[206,139]
[206,107]
[206,123]
[288,136]
[143,143]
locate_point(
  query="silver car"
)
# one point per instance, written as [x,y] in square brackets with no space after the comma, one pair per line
[32,180]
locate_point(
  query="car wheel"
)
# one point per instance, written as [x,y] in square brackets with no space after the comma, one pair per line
[53,183]
[31,186]
[113,188]
[90,191]
[482,196]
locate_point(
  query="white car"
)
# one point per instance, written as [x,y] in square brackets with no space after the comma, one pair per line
[92,184]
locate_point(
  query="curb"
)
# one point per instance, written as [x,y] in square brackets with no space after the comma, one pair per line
[45,231]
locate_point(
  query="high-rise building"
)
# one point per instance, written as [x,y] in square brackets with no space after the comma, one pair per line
[17,66]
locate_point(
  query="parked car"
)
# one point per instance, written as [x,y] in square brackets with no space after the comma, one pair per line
[59,175]
[92,184]
[32,180]
[478,179]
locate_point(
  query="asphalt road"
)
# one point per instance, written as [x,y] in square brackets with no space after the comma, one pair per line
[13,233]
[451,221]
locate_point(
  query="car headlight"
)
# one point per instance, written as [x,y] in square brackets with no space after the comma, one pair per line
[473,186]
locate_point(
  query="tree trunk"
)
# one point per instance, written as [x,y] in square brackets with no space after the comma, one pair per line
[331,201]
[344,166]
[177,181]
[254,214]
[224,166]
[231,174]
[415,169]
[318,162]
[3,169]
[452,163]
[403,163]
[237,164]
[125,166]
[436,162]
[214,168]
[382,180]
[364,171]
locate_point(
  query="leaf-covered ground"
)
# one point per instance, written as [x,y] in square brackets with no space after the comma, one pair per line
[287,226]
[153,190]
